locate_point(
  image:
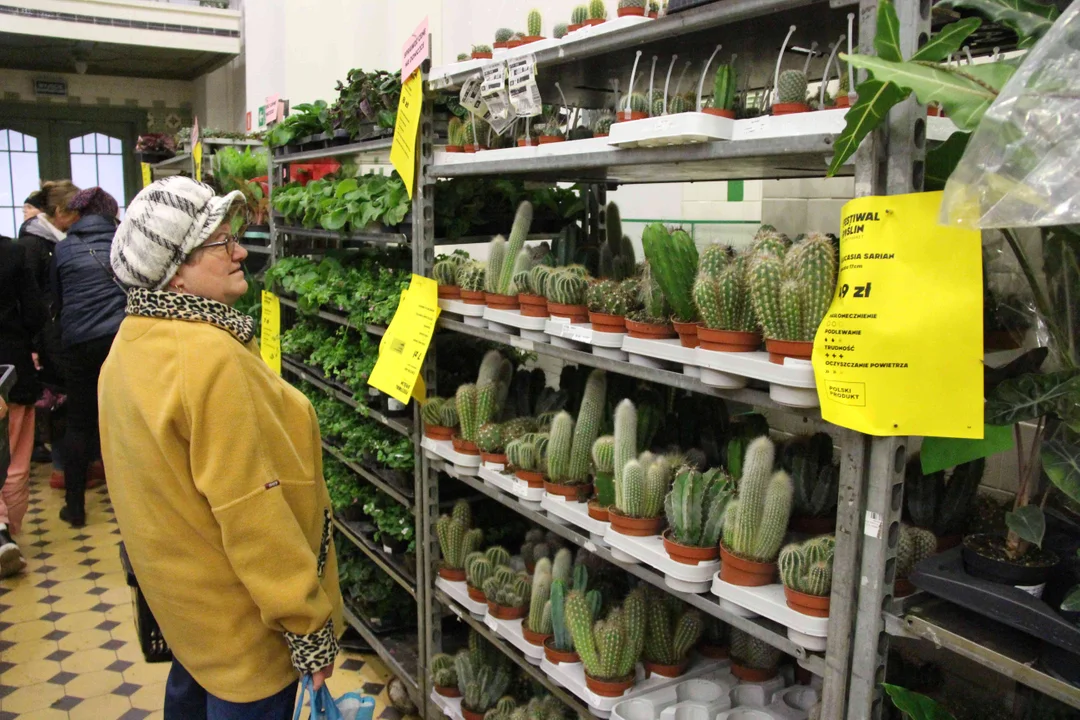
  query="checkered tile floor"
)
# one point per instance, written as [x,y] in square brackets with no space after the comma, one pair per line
[68,649]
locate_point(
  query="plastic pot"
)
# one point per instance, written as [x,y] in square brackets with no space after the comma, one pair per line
[465,447]
[668,671]
[452,574]
[688,333]
[493,458]
[438,432]
[533,478]
[533,637]
[635,527]
[843,101]
[624,11]
[449,691]
[595,21]
[688,554]
[654,14]
[575,26]
[499,46]
[481,56]
[746,573]
[780,349]
[598,512]
[628,115]
[789,108]
[649,331]
[474,148]
[609,688]
[812,605]
[934,111]
[514,43]
[455,148]
[548,139]
[533,305]
[720,112]
[531,39]
[572,493]
[469,714]
[812,525]
[476,594]
[557,656]
[472,297]
[750,674]
[526,143]
[603,322]
[502,612]
[501,302]
[728,340]
[983,557]
[575,313]
[449,292]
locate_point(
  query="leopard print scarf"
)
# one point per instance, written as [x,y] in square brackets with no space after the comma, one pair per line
[192,308]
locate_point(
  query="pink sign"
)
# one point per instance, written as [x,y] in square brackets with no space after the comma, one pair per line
[415,50]
[272,108]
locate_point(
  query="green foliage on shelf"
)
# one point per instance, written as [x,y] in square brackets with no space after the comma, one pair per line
[365,98]
[304,119]
[392,520]
[469,207]
[347,204]
[363,441]
[370,591]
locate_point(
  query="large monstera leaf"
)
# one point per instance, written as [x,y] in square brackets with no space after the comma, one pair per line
[1031,396]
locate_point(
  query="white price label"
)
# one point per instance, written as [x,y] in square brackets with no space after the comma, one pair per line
[524,92]
[872,526]
[522,344]
[578,333]
[559,320]
[494,93]
[471,97]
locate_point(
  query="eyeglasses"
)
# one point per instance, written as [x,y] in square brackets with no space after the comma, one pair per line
[229,243]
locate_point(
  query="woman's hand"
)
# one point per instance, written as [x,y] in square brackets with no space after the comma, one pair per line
[319,677]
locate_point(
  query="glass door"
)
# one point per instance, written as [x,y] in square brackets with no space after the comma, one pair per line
[20,175]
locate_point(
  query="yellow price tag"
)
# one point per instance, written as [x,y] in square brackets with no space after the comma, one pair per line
[403,153]
[147,175]
[900,351]
[270,337]
[196,158]
[405,344]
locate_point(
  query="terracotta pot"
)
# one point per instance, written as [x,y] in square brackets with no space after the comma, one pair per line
[438,432]
[548,139]
[449,292]
[526,143]
[812,605]
[575,313]
[746,573]
[600,135]
[575,26]
[476,594]
[496,301]
[750,674]
[789,108]
[780,349]
[533,637]
[449,691]
[596,512]
[474,148]
[843,101]
[455,148]
[628,115]
[649,331]
[464,446]
[532,305]
[533,478]
[469,714]
[532,38]
[688,554]
[499,46]
[493,458]
[728,340]
[572,493]
[472,297]
[719,112]
[513,43]
[556,656]
[934,111]
[501,612]
[687,333]
[668,671]
[595,21]
[812,525]
[609,688]
[452,574]
[635,527]
[603,322]
[713,652]
[481,56]
[624,11]
[902,587]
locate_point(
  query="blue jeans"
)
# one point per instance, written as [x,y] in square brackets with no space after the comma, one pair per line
[185,699]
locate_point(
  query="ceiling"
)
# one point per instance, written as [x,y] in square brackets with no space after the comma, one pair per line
[58,55]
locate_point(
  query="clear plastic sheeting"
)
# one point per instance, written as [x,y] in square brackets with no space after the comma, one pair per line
[1022,166]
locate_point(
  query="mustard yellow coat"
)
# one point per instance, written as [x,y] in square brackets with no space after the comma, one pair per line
[215,472]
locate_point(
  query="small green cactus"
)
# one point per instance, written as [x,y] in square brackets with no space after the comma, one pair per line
[603,455]
[645,482]
[913,546]
[503,35]
[471,276]
[695,506]
[526,452]
[539,620]
[579,15]
[489,438]
[455,136]
[791,87]
[597,10]
[481,49]
[632,4]
[507,588]
[791,288]
[672,629]
[442,670]
[538,277]
[516,245]
[609,648]
[755,523]
[807,567]
[606,296]
[653,304]
[535,23]
[496,259]
[722,296]
[558,449]
[457,537]
[724,88]
[567,286]
[673,260]
[445,270]
[465,401]
[438,411]
[482,679]
[602,126]
[560,30]
[637,102]
[750,652]
[587,426]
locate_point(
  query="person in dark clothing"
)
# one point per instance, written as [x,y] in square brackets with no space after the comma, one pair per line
[22,315]
[33,205]
[91,306]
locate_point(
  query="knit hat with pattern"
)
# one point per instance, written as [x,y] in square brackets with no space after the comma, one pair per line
[164,224]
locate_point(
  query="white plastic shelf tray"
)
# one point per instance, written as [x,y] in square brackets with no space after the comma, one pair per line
[751,702]
[450,707]
[670,350]
[510,630]
[650,551]
[681,129]
[572,677]
[511,485]
[769,601]
[460,307]
[790,384]
[444,449]
[459,593]
[575,513]
[699,697]
[514,319]
[613,24]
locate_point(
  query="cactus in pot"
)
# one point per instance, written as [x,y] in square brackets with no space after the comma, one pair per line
[518,233]
[914,545]
[439,412]
[482,681]
[721,291]
[748,653]
[603,456]
[579,15]
[597,10]
[560,30]
[489,438]
[640,6]
[534,24]
[609,648]
[539,618]
[807,567]
[537,281]
[502,36]
[526,454]
[671,631]
[602,125]
[470,276]
[673,260]
[607,297]
[640,495]
[508,589]
[724,89]
[497,257]
[567,286]
[625,446]
[809,461]
[457,539]
[445,270]
[587,428]
[443,673]
[791,87]
[695,507]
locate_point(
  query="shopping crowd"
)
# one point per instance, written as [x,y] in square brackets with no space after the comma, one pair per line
[135,369]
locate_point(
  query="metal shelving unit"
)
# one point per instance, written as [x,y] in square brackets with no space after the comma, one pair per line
[334,317]
[387,563]
[313,376]
[397,650]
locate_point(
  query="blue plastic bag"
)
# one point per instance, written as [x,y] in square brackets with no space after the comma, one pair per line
[350,706]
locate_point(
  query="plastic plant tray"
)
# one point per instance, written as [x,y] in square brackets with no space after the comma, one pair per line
[511,630]
[670,350]
[497,467]
[511,485]
[750,700]
[459,593]
[562,333]
[450,707]
[576,513]
[681,129]
[793,125]
[531,48]
[611,25]
[769,601]
[650,551]
[573,147]
[443,71]
[699,697]
[572,677]
[514,319]
[460,307]
[790,384]
[464,464]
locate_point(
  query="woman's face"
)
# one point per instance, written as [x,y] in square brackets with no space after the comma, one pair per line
[29,211]
[214,270]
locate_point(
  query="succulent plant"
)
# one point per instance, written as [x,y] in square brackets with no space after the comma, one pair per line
[637,102]
[808,459]
[442,670]
[653,306]
[439,411]
[539,620]
[567,286]
[482,679]
[673,260]
[560,30]
[605,296]
[724,88]
[791,87]
[644,484]
[537,280]
[579,15]
[481,49]
[445,270]
[561,637]
[508,588]
[535,23]
[791,290]
[721,291]
[741,433]
[527,452]
[609,648]
[462,57]
[913,546]
[602,126]
[625,449]
[597,10]
[671,629]
[755,523]
[515,247]
[503,35]
[603,456]
[751,652]
[716,632]
[457,537]
[631,3]
[471,276]
[807,567]
[695,506]
[489,438]
[941,502]
[496,259]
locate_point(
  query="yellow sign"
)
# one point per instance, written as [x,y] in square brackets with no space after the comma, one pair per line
[403,153]
[196,158]
[405,344]
[147,176]
[270,337]
[900,351]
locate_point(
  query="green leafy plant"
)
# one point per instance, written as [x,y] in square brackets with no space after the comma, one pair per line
[365,98]
[915,705]
[346,204]
[233,169]
[305,119]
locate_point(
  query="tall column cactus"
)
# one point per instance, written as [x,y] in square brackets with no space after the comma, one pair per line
[625,448]
[587,428]
[559,447]
[721,291]
[724,88]
[673,260]
[497,259]
[457,539]
[603,455]
[609,648]
[535,23]
[465,400]
[579,15]
[755,523]
[671,630]
[518,232]
[540,601]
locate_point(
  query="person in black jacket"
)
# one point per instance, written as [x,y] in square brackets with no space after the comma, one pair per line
[91,307]
[22,315]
